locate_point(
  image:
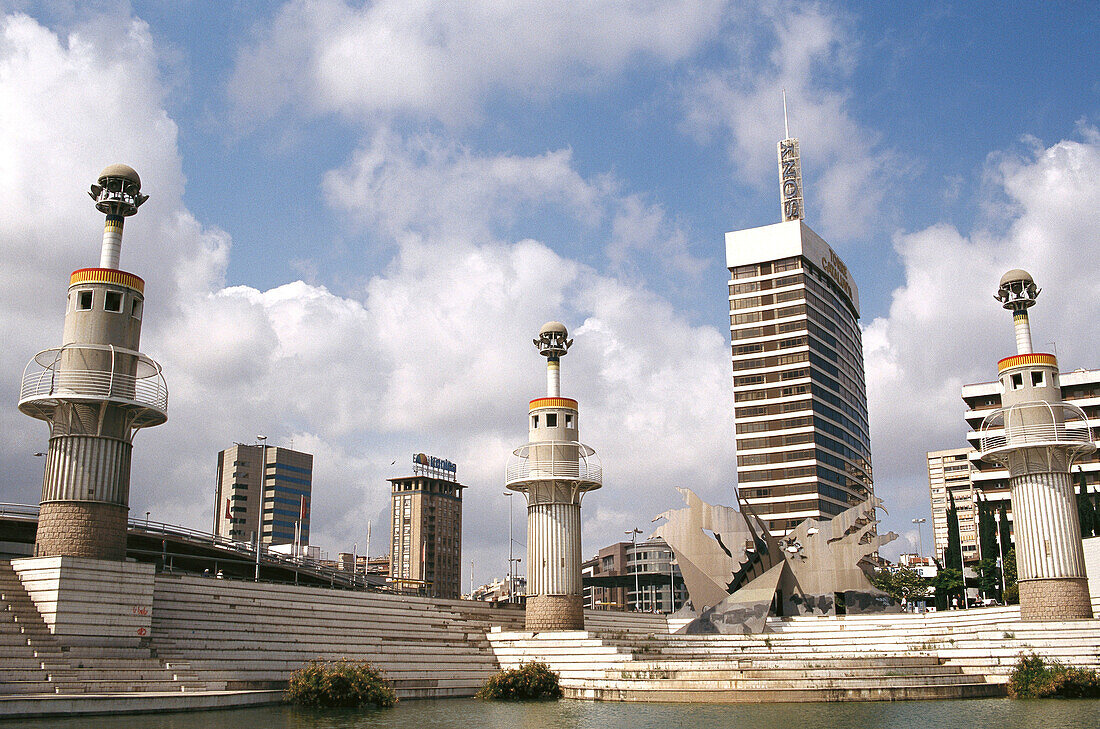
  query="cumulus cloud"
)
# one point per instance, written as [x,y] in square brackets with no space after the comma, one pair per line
[472,196]
[944,329]
[69,105]
[432,353]
[808,51]
[442,61]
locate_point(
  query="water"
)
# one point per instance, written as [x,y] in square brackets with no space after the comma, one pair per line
[474,714]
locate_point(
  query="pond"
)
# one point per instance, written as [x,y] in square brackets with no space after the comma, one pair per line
[566,714]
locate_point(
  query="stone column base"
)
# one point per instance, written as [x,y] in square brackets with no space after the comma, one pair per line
[1064,598]
[89,529]
[555,612]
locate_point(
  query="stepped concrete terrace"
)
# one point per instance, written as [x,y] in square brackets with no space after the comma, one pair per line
[958,654]
[220,642]
[42,674]
[247,635]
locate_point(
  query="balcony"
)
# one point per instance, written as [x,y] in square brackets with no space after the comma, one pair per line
[1056,425]
[567,461]
[92,373]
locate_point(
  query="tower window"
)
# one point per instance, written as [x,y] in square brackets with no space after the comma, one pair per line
[84,300]
[534,421]
[135,308]
[551,420]
[1017,380]
[568,420]
[112,301]
[1036,378]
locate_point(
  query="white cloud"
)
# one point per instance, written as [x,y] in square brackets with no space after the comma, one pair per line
[472,196]
[810,54]
[432,354]
[442,61]
[944,329]
[70,105]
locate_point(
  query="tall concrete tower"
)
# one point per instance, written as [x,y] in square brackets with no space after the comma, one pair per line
[95,391]
[1036,436]
[554,470]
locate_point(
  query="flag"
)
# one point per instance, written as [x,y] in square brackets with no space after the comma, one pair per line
[228,515]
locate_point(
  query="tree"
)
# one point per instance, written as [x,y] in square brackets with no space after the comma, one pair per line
[1086,510]
[948,584]
[901,584]
[1086,515]
[989,573]
[1012,590]
[952,556]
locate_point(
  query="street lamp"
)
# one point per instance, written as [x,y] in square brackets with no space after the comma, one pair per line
[920,539]
[263,484]
[634,550]
[511,582]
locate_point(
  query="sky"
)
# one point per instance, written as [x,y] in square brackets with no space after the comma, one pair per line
[361,213]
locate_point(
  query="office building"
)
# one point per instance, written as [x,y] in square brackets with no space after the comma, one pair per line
[264,489]
[949,480]
[610,578]
[800,401]
[426,528]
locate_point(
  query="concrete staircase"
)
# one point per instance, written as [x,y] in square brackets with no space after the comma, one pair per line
[249,635]
[859,658]
[33,661]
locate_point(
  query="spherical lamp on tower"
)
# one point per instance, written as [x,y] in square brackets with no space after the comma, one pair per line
[554,470]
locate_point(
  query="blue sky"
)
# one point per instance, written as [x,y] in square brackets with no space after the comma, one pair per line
[360,213]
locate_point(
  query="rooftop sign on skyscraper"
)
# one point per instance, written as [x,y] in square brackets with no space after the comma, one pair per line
[790,180]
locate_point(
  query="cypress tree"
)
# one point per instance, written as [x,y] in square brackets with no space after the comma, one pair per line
[987,529]
[1006,531]
[1086,513]
[952,554]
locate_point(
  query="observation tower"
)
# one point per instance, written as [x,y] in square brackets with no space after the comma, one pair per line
[1037,436]
[95,391]
[554,470]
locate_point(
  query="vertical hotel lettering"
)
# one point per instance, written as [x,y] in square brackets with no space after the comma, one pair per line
[790,180]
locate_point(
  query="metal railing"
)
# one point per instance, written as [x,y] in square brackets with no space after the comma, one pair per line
[1036,424]
[44,377]
[565,460]
[245,553]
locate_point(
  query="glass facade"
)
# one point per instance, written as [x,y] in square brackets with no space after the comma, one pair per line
[800,399]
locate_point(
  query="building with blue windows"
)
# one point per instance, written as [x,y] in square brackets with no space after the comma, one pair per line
[266,490]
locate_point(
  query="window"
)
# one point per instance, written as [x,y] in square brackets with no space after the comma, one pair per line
[534,421]
[135,308]
[84,300]
[568,420]
[1017,380]
[1036,378]
[112,301]
[551,420]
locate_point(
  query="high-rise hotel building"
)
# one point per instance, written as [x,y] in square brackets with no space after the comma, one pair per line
[426,540]
[800,410]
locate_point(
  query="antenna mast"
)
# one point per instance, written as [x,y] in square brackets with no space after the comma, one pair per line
[786,129]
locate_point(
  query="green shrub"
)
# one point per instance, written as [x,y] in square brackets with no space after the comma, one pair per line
[1012,595]
[529,681]
[344,683]
[1034,678]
